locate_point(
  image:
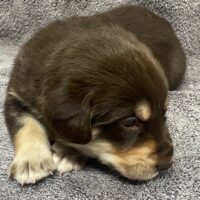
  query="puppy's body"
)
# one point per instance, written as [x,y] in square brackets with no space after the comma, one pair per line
[90,73]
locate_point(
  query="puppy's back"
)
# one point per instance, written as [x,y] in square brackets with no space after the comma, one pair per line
[157,34]
[150,29]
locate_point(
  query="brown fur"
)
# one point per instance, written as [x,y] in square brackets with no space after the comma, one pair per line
[91,72]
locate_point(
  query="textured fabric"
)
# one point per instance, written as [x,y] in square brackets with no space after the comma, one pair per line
[20,19]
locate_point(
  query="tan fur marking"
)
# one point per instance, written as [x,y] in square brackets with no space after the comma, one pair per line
[138,162]
[143,110]
[143,151]
[33,160]
[30,135]
[135,163]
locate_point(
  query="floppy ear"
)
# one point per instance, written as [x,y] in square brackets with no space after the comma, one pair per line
[68,109]
[77,128]
[75,125]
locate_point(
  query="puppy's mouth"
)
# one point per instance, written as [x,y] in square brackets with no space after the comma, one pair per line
[140,168]
[139,163]
[136,164]
[143,170]
[140,172]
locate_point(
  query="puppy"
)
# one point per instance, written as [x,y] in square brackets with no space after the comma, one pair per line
[97,87]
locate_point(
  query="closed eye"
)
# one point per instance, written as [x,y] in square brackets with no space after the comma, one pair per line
[129,122]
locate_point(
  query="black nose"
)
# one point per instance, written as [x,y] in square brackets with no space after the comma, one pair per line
[163,166]
[165,150]
[165,153]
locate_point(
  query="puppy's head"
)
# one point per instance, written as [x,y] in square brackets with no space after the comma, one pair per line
[114,101]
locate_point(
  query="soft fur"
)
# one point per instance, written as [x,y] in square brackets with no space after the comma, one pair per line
[97,84]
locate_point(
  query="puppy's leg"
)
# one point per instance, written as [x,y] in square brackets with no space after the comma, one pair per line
[67,159]
[33,159]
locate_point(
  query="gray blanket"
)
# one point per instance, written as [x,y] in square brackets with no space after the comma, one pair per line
[20,19]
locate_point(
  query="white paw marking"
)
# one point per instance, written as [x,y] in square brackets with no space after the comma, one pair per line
[66,159]
[64,164]
[27,169]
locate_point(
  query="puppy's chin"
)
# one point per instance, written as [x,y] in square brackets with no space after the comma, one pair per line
[135,163]
[140,172]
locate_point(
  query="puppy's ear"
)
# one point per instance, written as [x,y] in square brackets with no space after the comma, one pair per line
[75,127]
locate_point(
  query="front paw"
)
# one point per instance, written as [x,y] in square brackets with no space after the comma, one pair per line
[67,159]
[30,169]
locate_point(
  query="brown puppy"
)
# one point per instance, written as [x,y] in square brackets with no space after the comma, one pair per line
[94,86]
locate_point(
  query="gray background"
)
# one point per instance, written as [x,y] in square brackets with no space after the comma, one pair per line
[19,19]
